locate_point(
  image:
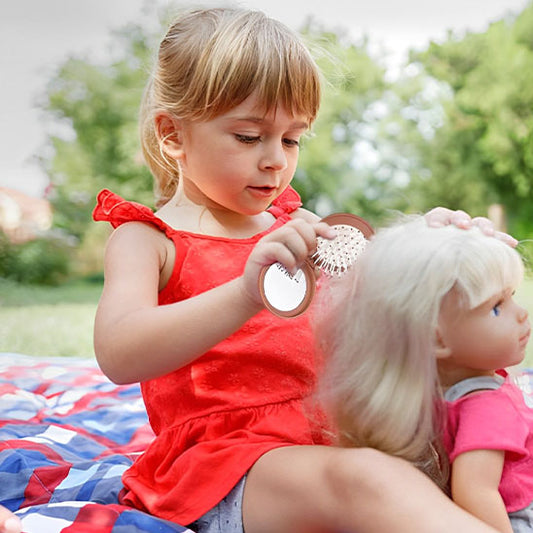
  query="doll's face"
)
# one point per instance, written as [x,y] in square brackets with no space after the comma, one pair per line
[493,335]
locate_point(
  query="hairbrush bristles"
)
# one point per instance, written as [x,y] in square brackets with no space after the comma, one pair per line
[334,257]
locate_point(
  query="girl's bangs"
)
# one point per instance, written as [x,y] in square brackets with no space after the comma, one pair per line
[280,75]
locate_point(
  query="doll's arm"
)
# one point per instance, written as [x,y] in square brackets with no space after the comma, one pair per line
[475,480]
[442,216]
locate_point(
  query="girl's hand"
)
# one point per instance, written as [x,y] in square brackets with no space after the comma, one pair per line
[441,216]
[9,523]
[289,245]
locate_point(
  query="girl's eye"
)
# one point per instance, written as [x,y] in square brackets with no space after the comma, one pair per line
[291,142]
[247,139]
[495,311]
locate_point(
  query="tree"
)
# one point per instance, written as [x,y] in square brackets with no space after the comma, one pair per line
[94,110]
[346,164]
[483,153]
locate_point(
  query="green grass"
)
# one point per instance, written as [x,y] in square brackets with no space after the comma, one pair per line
[48,321]
[58,321]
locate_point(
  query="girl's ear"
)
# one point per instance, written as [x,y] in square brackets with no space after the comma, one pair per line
[169,133]
[442,350]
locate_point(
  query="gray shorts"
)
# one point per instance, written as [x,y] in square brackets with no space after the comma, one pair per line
[522,521]
[226,516]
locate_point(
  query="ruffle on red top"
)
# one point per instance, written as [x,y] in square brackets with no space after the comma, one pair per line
[112,208]
[289,200]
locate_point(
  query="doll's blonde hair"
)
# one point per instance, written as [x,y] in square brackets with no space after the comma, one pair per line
[210,61]
[381,384]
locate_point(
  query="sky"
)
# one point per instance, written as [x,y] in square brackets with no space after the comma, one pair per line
[38,35]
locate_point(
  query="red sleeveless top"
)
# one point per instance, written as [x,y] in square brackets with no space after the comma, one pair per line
[250,393]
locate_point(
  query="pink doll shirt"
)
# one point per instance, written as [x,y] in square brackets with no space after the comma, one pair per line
[214,417]
[498,419]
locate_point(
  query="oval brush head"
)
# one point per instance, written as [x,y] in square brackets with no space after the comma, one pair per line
[334,257]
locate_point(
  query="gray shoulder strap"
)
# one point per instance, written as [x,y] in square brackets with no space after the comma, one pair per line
[472,384]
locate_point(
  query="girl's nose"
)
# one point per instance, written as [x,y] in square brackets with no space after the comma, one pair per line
[274,157]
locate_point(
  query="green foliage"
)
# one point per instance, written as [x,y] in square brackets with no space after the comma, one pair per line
[44,260]
[96,146]
[483,153]
[330,177]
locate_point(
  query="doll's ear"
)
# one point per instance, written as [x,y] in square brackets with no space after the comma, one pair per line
[169,134]
[442,350]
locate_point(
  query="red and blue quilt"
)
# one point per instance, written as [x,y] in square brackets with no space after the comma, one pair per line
[66,436]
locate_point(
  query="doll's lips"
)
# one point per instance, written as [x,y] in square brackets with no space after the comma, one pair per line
[525,338]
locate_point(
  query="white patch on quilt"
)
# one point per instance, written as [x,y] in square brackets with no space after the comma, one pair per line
[53,434]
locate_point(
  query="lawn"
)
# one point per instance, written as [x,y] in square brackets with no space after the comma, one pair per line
[58,321]
[54,321]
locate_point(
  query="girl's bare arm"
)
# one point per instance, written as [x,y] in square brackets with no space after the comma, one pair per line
[135,339]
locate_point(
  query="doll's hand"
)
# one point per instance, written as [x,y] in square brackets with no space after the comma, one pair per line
[289,245]
[441,216]
[9,523]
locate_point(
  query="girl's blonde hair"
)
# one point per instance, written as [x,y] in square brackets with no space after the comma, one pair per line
[210,61]
[381,384]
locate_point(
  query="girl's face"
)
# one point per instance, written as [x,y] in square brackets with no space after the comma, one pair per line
[242,160]
[491,336]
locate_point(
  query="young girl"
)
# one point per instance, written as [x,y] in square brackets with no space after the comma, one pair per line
[227,385]
[430,305]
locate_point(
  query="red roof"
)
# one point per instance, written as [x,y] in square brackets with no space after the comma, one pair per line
[23,217]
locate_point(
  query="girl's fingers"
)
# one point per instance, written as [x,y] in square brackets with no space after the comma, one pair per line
[322,229]
[284,255]
[441,216]
[485,225]
[11,524]
[506,238]
[297,233]
[291,244]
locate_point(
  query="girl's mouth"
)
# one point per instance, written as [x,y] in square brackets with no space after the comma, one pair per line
[261,191]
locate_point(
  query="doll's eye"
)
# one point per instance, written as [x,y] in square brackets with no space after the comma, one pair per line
[495,311]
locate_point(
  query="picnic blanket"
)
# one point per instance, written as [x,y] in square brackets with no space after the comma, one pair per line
[66,436]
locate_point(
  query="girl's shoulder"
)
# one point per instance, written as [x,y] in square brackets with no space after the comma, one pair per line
[137,247]
[138,236]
